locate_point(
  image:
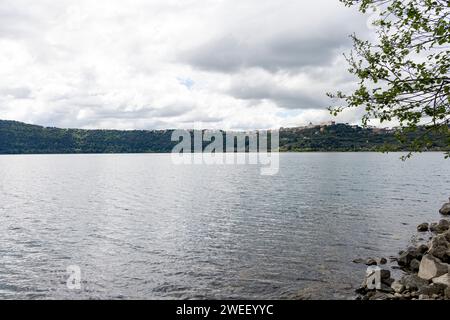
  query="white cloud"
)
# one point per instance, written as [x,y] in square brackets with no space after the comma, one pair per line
[171,64]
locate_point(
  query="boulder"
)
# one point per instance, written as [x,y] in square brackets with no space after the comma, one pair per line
[433,227]
[379,296]
[405,258]
[444,280]
[388,281]
[431,267]
[385,274]
[398,296]
[414,265]
[371,262]
[424,227]
[447,293]
[442,253]
[445,210]
[362,290]
[423,248]
[440,227]
[433,289]
[386,288]
[440,248]
[413,283]
[398,287]
[447,235]
[445,224]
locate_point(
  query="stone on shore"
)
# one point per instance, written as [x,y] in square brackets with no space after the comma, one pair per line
[409,255]
[447,235]
[433,289]
[431,267]
[440,227]
[385,275]
[413,283]
[440,247]
[445,210]
[423,248]
[397,286]
[379,296]
[444,280]
[427,269]
[414,265]
[447,293]
[371,262]
[424,227]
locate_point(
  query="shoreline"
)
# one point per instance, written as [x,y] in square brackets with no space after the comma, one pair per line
[425,267]
[165,153]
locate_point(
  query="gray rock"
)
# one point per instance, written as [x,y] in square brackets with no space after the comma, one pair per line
[440,227]
[398,295]
[382,261]
[431,267]
[444,224]
[444,280]
[445,210]
[441,253]
[440,248]
[433,288]
[388,282]
[424,297]
[398,287]
[447,235]
[447,293]
[424,227]
[414,265]
[371,262]
[385,274]
[423,248]
[405,258]
[362,290]
[386,288]
[413,283]
[433,227]
[379,296]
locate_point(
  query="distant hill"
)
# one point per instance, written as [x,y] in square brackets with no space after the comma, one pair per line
[21,138]
[343,137]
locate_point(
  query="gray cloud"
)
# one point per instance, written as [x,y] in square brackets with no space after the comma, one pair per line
[285,98]
[281,52]
[16,93]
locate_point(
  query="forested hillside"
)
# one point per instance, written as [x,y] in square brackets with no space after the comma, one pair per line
[21,138]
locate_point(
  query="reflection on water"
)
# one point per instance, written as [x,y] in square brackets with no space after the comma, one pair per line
[140,227]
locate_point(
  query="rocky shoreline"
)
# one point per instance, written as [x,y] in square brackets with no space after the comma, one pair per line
[425,266]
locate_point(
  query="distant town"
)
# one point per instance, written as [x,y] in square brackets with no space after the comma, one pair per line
[323,125]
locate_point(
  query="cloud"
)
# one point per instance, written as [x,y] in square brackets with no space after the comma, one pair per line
[283,51]
[171,63]
[16,93]
[288,37]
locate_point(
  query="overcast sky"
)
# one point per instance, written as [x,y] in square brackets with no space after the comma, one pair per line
[152,64]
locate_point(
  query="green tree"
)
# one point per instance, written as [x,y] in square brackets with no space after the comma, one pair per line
[404,74]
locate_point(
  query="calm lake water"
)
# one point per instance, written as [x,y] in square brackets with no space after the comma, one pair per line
[139,226]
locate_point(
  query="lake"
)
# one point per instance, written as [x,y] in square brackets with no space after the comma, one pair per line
[139,226]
